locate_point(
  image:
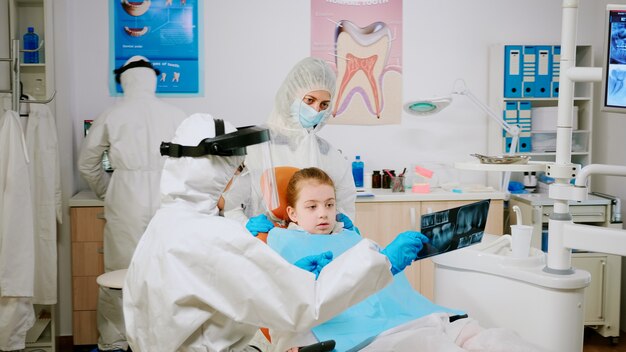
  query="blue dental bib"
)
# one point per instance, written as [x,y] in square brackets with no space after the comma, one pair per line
[356,327]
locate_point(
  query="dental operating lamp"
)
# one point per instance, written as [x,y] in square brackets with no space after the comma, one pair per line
[434,105]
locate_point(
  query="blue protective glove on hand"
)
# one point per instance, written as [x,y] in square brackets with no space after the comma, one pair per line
[403,250]
[347,223]
[259,223]
[315,263]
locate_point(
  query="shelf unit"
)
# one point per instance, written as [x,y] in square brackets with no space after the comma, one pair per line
[43,339]
[583,99]
[37,79]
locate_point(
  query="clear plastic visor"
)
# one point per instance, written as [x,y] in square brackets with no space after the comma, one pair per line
[267,179]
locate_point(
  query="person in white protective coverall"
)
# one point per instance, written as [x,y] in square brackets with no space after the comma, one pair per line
[200,282]
[132,131]
[302,107]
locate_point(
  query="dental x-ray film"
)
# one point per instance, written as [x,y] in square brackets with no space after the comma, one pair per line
[454,228]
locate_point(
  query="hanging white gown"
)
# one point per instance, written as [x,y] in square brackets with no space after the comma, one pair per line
[45,177]
[17,250]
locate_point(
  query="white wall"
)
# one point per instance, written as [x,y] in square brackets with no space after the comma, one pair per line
[249,46]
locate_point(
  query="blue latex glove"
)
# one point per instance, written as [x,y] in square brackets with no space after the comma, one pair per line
[315,263]
[347,223]
[403,250]
[259,223]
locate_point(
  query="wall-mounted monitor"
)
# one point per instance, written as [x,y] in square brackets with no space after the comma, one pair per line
[614,67]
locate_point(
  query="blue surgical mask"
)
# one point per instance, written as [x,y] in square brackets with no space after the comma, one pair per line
[307,116]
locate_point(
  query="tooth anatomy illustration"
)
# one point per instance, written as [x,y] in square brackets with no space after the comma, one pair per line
[135,32]
[176,77]
[163,76]
[136,8]
[361,59]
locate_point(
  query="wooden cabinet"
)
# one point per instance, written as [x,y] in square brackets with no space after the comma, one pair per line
[87,264]
[383,220]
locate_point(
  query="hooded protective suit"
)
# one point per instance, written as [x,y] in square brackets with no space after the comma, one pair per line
[132,130]
[201,282]
[294,145]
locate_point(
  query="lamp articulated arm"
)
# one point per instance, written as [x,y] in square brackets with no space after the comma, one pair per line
[514,130]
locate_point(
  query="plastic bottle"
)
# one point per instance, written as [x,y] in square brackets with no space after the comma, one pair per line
[31,42]
[357,171]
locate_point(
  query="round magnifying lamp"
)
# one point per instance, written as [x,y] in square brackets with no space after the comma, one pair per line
[434,105]
[427,107]
[430,106]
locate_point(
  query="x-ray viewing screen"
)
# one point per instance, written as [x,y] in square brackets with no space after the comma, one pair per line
[454,228]
[615,60]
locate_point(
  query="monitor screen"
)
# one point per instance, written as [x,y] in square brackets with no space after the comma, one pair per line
[613,88]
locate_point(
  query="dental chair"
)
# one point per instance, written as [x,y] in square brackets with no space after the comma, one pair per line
[279,215]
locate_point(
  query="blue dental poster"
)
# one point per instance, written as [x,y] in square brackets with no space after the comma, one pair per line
[164,31]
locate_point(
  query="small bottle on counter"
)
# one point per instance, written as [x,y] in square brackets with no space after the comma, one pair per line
[376,179]
[387,176]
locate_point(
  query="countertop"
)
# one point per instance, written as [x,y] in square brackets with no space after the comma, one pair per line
[385,195]
[89,199]
[543,199]
[86,199]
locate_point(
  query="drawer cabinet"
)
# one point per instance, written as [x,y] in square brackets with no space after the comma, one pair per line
[580,214]
[87,226]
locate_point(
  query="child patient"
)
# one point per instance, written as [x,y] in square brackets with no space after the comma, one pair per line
[397,318]
[311,202]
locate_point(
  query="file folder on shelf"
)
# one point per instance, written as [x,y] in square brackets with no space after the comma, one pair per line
[524,120]
[510,115]
[513,71]
[556,69]
[543,72]
[529,70]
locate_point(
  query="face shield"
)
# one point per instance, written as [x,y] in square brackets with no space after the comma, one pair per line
[233,144]
[133,64]
[237,191]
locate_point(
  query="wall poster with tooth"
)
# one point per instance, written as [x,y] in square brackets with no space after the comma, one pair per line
[164,31]
[362,41]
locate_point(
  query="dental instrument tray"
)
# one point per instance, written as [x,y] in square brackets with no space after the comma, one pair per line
[506,159]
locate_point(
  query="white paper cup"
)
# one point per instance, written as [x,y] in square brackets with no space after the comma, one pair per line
[521,234]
